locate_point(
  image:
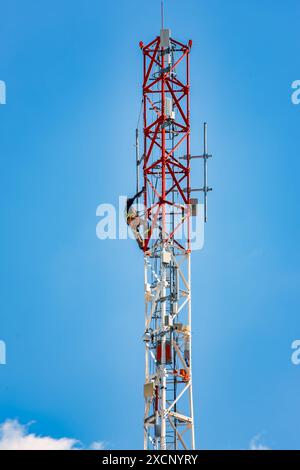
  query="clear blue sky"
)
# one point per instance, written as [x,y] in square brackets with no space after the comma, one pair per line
[71,305]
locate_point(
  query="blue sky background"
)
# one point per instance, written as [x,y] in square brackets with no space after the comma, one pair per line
[71,305]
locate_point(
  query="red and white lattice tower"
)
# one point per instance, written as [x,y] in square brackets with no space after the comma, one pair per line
[164,169]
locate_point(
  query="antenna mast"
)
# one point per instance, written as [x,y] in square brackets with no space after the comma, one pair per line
[168,213]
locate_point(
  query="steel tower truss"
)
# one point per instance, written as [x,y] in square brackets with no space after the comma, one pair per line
[168,208]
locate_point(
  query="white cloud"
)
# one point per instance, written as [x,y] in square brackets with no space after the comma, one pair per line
[97,445]
[16,436]
[255,444]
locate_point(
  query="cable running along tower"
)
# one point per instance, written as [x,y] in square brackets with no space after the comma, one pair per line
[165,227]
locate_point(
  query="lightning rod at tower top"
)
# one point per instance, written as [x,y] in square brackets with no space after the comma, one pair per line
[161,217]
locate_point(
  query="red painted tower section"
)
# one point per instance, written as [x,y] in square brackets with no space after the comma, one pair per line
[166,164]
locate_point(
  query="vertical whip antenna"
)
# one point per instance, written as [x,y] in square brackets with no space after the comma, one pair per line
[205,157]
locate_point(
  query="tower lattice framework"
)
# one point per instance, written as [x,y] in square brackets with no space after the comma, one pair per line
[168,209]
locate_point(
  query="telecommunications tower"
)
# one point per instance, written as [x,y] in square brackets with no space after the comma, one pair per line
[164,187]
